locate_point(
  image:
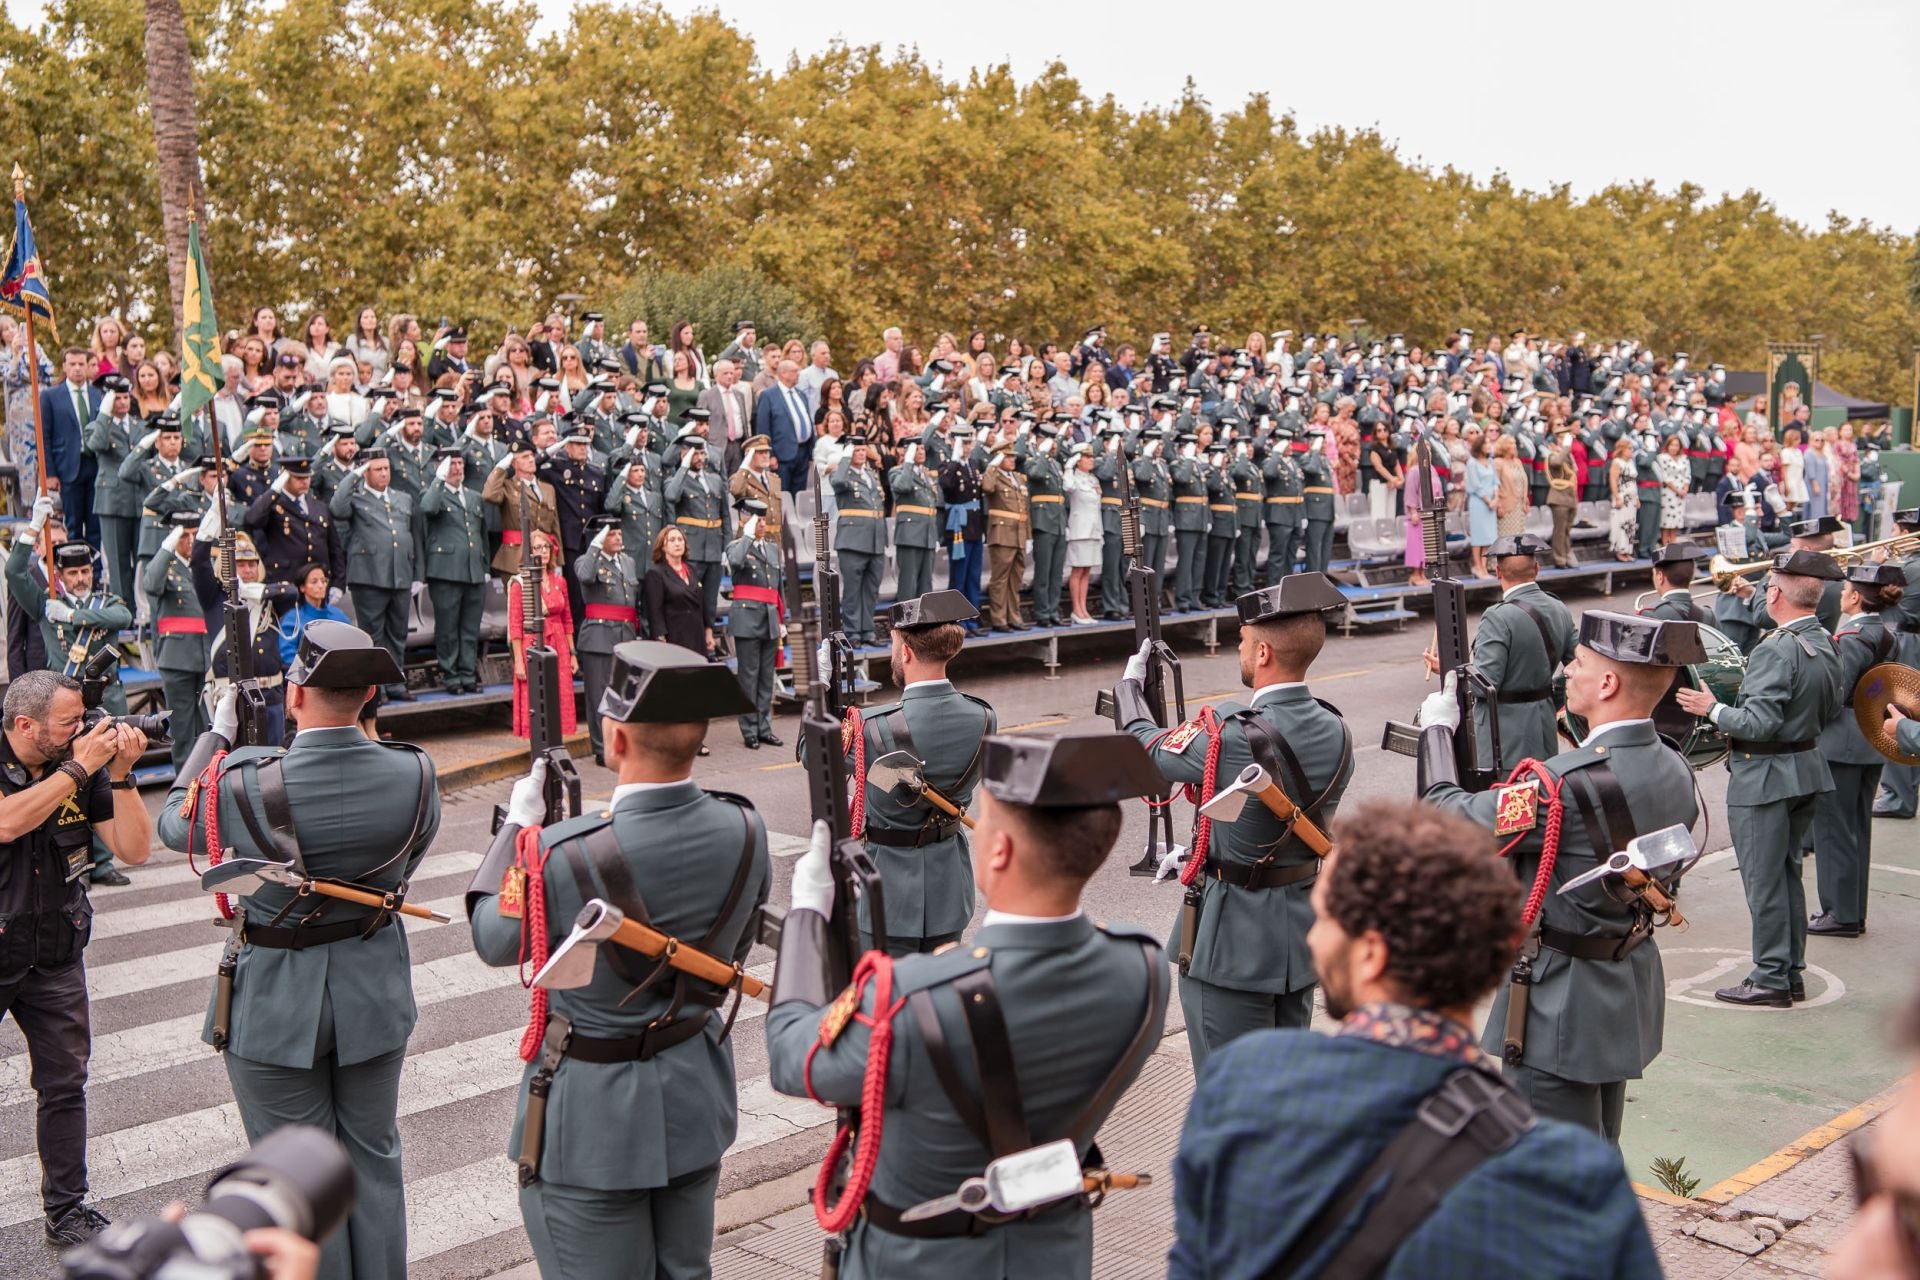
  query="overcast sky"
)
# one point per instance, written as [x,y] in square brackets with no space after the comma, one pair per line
[1812,104]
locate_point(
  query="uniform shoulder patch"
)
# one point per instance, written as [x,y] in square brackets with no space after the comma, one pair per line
[1516,808]
[1181,737]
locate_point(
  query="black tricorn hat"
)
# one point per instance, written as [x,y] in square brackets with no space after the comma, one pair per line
[1678,553]
[658,683]
[1807,564]
[1908,518]
[297,466]
[1308,592]
[113,382]
[1873,575]
[1815,527]
[336,655]
[1517,544]
[78,555]
[184,519]
[931,610]
[1075,771]
[1649,642]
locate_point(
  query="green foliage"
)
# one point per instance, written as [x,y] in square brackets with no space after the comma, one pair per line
[713,299]
[438,156]
[1672,1174]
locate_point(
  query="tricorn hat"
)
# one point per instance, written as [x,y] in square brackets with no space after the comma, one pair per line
[658,683]
[1309,592]
[337,655]
[1651,642]
[1517,544]
[1075,771]
[931,610]
[1807,564]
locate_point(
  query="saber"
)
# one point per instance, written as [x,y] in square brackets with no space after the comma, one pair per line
[905,778]
[1257,782]
[600,922]
[247,875]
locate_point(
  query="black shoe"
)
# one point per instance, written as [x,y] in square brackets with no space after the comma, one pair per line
[1752,993]
[599,759]
[1826,926]
[76,1226]
[1020,626]
[752,744]
[112,876]
[1890,813]
[772,740]
[1798,991]
[1113,615]
[400,693]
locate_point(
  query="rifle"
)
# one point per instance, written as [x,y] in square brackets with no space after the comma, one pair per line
[562,787]
[1163,664]
[826,587]
[1453,646]
[855,876]
[251,700]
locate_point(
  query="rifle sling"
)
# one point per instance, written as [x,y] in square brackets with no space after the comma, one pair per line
[1546,633]
[1280,760]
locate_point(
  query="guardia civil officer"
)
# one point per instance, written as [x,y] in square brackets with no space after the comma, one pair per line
[628,1103]
[1064,1008]
[917,522]
[754,619]
[453,554]
[1285,518]
[1110,461]
[76,621]
[920,850]
[610,583]
[635,498]
[859,536]
[315,1015]
[1316,499]
[1190,518]
[116,502]
[1742,613]
[1009,519]
[1843,817]
[1308,1155]
[1673,571]
[1585,1011]
[1046,497]
[1520,645]
[1790,691]
[697,502]
[1897,781]
[180,626]
[579,491]
[1242,928]
[376,520]
[1155,483]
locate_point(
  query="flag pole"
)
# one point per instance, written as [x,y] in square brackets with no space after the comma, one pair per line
[33,393]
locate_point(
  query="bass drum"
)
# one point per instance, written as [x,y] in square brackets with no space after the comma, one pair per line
[1698,741]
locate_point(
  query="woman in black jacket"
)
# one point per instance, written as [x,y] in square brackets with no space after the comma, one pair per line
[676,610]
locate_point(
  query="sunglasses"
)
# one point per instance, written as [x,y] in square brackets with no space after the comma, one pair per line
[1906,1204]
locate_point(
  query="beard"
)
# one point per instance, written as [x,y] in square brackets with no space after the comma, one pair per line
[1333,986]
[899,671]
[55,752]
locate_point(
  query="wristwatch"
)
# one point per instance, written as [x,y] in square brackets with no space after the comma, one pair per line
[128,783]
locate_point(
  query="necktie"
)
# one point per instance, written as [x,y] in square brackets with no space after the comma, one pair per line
[79,404]
[802,428]
[733,414]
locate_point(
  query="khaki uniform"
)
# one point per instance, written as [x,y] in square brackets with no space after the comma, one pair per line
[1007,524]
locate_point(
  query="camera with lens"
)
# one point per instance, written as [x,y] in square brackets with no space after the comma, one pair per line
[100,672]
[297,1178]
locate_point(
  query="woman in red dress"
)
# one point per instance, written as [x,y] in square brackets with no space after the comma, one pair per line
[558,635]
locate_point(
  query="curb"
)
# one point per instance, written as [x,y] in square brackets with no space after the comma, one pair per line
[506,764]
[1807,1144]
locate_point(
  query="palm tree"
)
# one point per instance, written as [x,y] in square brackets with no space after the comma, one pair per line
[176,135]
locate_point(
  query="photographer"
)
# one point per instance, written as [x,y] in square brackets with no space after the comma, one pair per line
[60,788]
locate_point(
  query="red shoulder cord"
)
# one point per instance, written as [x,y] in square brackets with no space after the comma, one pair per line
[533,934]
[207,785]
[854,726]
[1549,841]
[835,1217]
[1202,825]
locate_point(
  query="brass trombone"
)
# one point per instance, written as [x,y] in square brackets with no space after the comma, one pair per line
[1723,571]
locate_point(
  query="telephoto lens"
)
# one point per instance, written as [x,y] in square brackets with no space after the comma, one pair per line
[297,1178]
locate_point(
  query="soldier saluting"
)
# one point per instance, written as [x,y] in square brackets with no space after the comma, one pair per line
[756,619]
[315,1010]
[1241,938]
[1586,1006]
[610,586]
[1065,1009]
[629,1101]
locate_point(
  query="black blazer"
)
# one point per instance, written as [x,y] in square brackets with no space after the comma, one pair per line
[676,610]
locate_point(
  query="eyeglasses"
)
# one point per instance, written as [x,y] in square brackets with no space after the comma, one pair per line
[1906,1204]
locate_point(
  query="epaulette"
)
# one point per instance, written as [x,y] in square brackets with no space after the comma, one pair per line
[1120,930]
[923,972]
[731,797]
[993,714]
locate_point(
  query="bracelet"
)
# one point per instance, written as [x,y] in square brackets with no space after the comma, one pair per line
[78,772]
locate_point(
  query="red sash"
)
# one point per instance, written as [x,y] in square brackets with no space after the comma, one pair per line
[762,595]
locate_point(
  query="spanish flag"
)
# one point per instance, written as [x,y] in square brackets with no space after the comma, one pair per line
[200,374]
[23,285]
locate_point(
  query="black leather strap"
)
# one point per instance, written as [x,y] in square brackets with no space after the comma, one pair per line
[1546,632]
[1138,1048]
[1879,648]
[953,1225]
[1585,946]
[1000,1097]
[1747,747]
[302,936]
[655,1039]
[1262,875]
[1511,697]
[913,838]
[966,1102]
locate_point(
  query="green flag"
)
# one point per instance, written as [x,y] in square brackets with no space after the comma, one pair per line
[200,373]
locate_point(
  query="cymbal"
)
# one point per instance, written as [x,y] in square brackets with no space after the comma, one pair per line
[1889,682]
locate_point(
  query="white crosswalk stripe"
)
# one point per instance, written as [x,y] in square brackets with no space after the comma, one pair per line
[149,1143]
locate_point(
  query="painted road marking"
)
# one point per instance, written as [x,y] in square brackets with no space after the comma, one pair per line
[1731,962]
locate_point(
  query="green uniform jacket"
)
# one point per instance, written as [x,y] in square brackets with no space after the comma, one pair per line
[1256,939]
[1790,691]
[301,436]
[1154,482]
[1507,648]
[1316,486]
[454,534]
[1044,478]
[753,562]
[279,996]
[1248,494]
[1857,642]
[97,617]
[111,441]
[1590,1021]
[915,487]
[700,495]
[1285,507]
[479,454]
[1073,994]
[929,890]
[1747,620]
[1677,605]
[622,1126]
[858,490]
[412,466]
[642,512]
[1106,469]
[328,473]
[378,533]
[606,579]
[147,473]
[1189,495]
[169,584]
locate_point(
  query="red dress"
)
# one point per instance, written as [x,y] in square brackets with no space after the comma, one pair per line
[559,631]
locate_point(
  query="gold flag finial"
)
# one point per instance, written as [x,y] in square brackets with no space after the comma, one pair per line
[19,182]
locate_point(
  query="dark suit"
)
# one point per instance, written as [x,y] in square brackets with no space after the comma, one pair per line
[776,417]
[676,610]
[714,401]
[75,468]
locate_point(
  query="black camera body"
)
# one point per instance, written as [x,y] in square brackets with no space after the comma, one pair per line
[297,1178]
[101,671]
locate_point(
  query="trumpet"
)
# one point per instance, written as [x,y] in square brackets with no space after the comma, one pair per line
[1723,571]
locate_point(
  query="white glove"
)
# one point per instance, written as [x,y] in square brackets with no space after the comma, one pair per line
[506,460]
[209,525]
[359,471]
[555,449]
[42,512]
[146,441]
[335,595]
[1188,450]
[633,437]
[750,527]
[1137,664]
[226,714]
[1113,445]
[1441,708]
[686,460]
[527,806]
[440,472]
[179,478]
[599,539]
[1170,863]
[813,873]
[171,543]
[822,659]
[279,484]
[59,610]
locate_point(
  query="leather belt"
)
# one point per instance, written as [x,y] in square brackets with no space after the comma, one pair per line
[1592,946]
[904,510]
[1318,488]
[952,1225]
[181,626]
[1109,502]
[1508,697]
[703,524]
[299,938]
[1221,506]
[1154,502]
[1772,748]
[1192,497]
[1247,497]
[1046,497]
[1291,497]
[649,1043]
[1267,877]
[914,838]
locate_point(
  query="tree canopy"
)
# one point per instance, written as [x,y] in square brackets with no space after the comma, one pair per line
[438,156]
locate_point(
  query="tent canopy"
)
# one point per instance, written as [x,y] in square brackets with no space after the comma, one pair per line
[1745,386]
